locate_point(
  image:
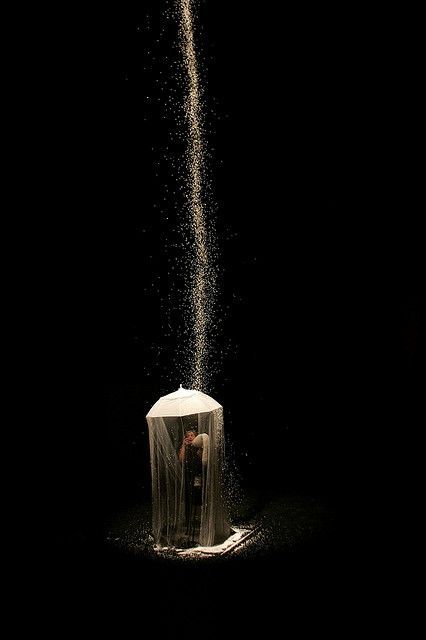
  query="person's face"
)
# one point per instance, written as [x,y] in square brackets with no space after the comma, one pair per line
[189,436]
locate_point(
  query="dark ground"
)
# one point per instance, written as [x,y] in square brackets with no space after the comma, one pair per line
[301,555]
[283,524]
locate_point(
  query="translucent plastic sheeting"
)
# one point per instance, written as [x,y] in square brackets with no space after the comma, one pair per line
[187,456]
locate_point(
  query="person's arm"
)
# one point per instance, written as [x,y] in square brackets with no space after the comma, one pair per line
[198,441]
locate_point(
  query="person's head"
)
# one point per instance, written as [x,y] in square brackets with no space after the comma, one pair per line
[190,435]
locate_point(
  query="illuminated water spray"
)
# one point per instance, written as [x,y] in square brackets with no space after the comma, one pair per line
[202,281]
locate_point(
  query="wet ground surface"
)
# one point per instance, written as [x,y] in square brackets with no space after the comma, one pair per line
[286,524]
[297,565]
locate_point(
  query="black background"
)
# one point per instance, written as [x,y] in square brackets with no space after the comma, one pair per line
[314,128]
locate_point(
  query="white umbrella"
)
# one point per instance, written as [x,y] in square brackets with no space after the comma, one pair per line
[183,402]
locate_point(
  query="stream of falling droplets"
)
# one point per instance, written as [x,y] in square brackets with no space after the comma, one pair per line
[201,276]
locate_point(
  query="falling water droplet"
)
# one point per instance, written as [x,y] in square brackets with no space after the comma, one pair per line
[202,274]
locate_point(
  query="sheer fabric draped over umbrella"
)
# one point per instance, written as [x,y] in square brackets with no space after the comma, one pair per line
[187,455]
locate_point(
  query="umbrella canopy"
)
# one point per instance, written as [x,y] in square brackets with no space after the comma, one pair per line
[183,402]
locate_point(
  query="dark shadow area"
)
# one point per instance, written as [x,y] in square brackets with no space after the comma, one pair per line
[317,192]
